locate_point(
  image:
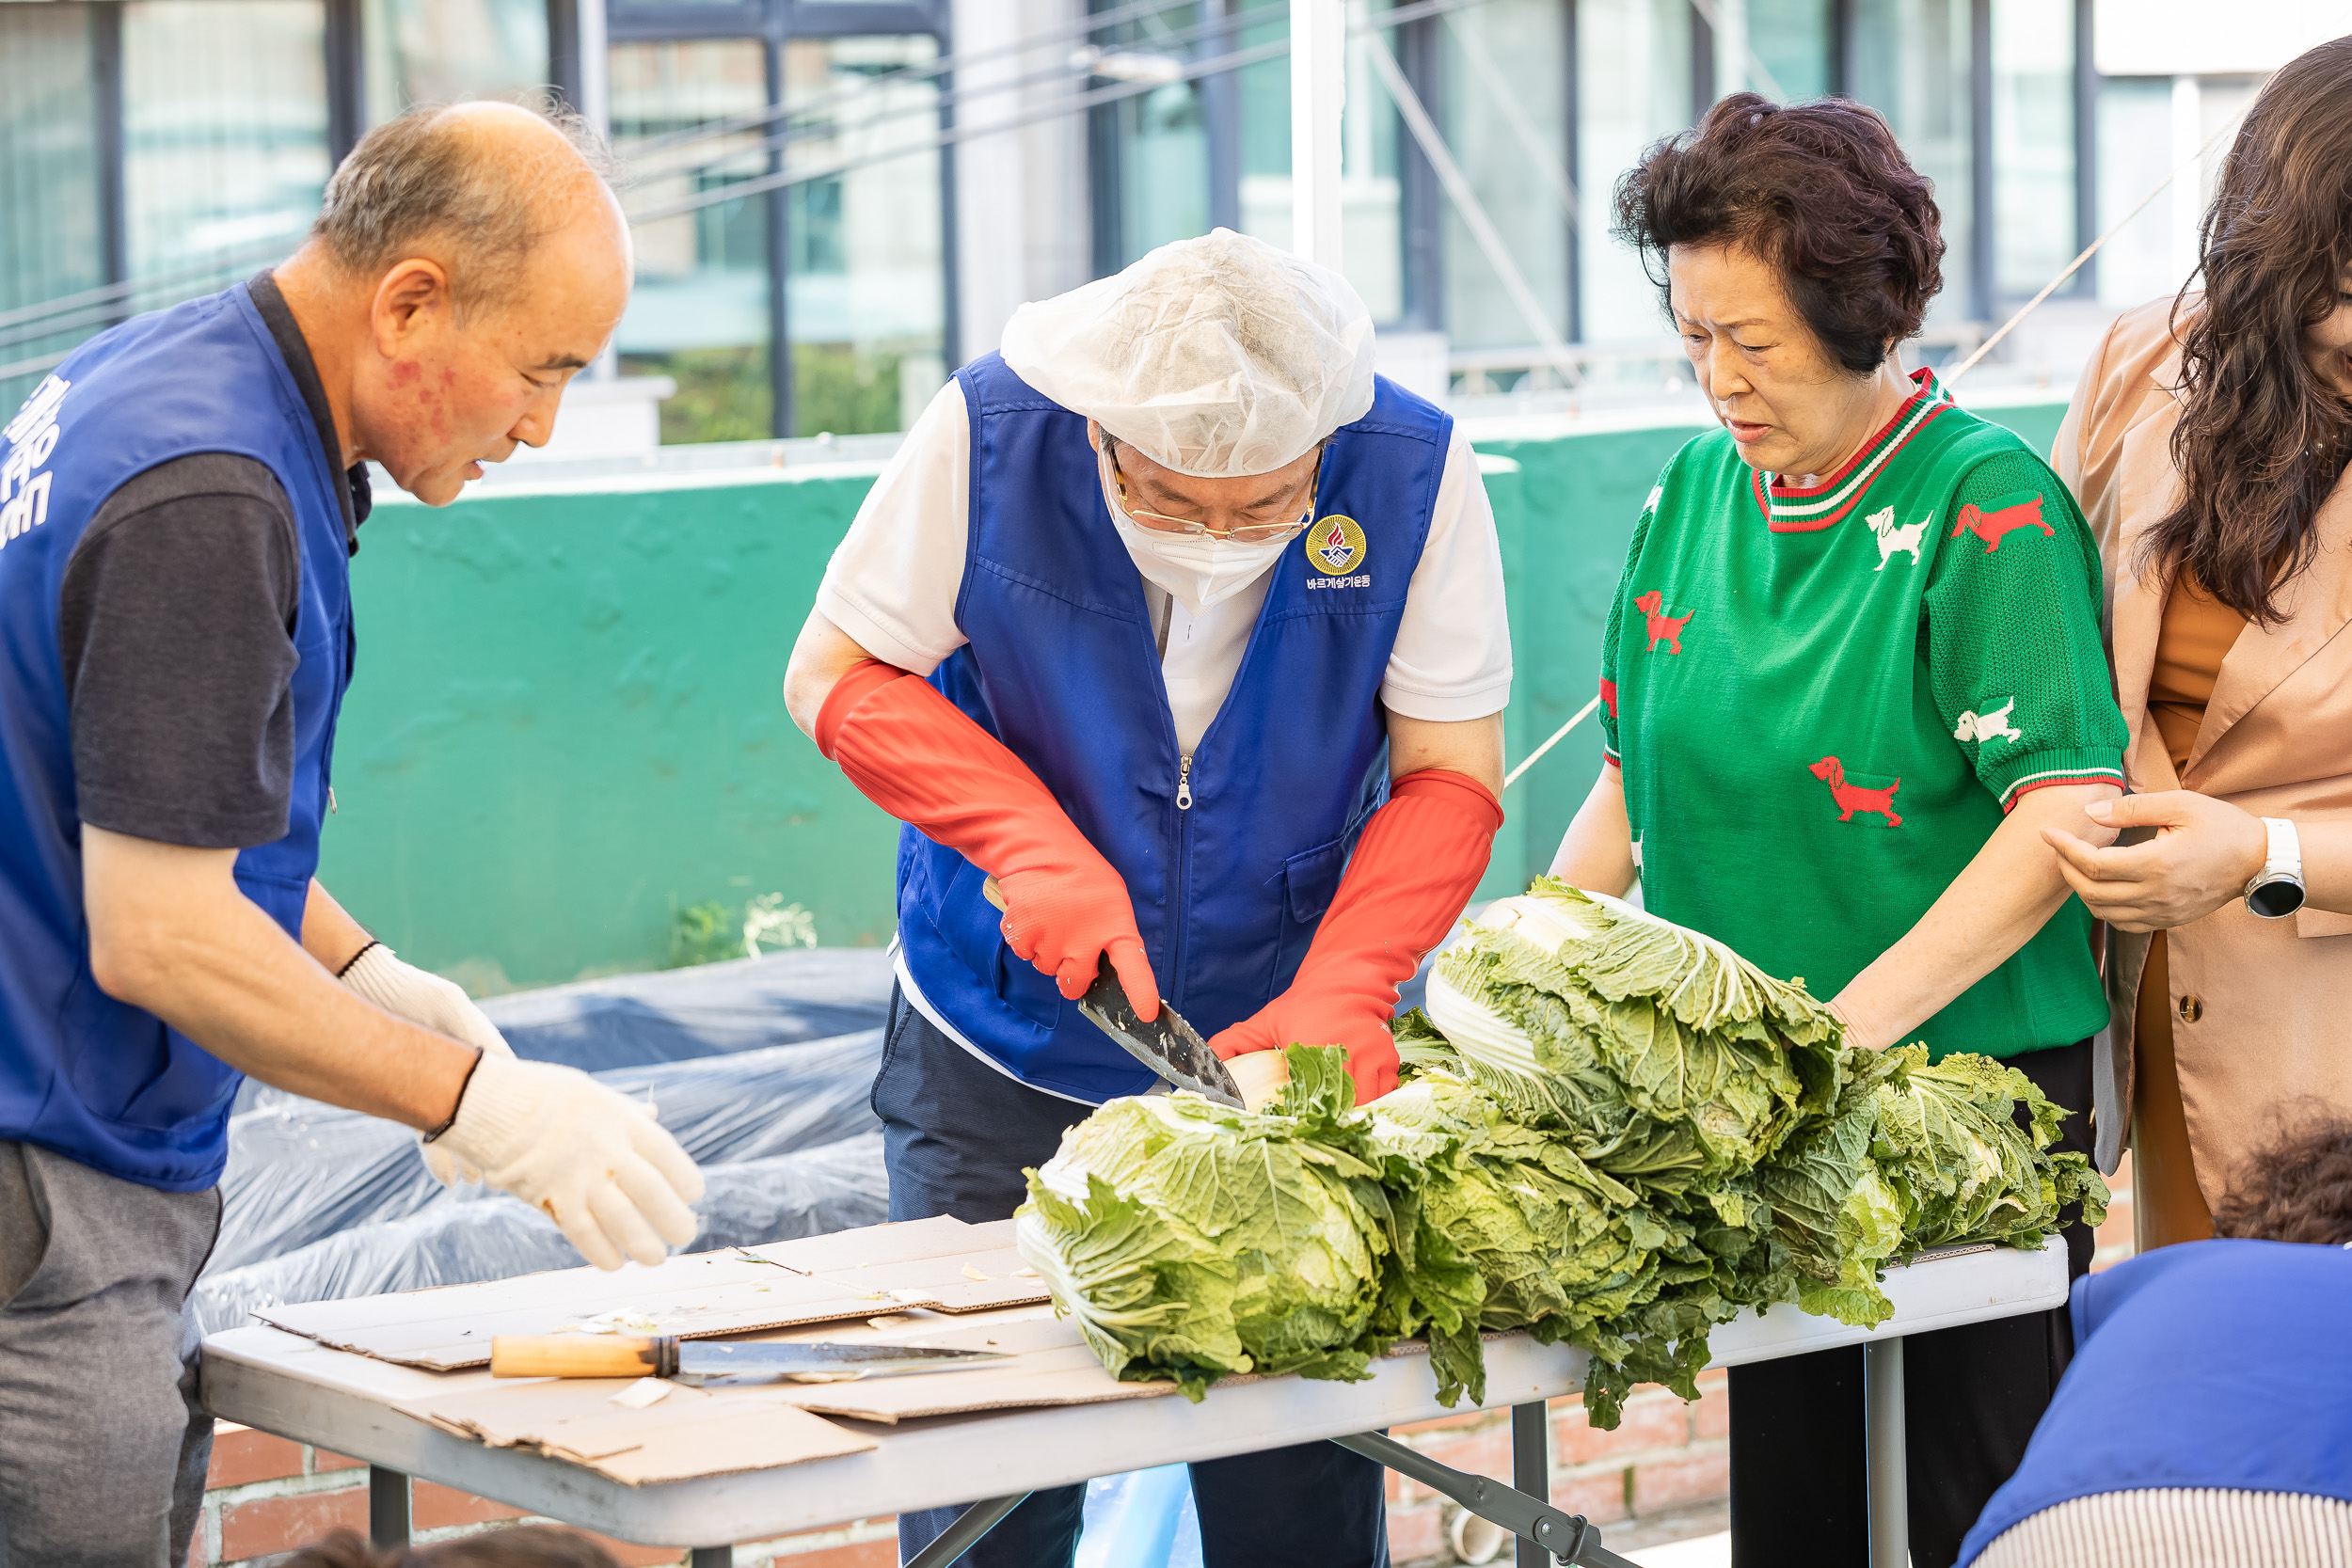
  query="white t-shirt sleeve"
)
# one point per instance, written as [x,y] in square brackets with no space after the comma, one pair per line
[893,580]
[1453,656]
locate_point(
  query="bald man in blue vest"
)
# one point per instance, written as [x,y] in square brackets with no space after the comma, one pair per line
[1185,629]
[179,504]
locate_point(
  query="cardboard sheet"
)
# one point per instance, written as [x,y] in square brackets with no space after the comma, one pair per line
[721,1429]
[690,1432]
[941,1264]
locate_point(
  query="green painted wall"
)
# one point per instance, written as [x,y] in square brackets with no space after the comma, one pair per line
[566,723]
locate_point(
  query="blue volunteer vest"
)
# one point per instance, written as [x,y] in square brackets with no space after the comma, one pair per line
[1063,667]
[80,1073]
[2212,1364]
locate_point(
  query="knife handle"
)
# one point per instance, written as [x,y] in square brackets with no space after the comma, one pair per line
[582,1356]
[993,894]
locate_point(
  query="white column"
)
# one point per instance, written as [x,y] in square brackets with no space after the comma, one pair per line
[596,107]
[2188,185]
[596,68]
[991,178]
[1318,86]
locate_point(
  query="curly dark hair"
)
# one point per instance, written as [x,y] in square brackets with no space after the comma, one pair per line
[2298,1188]
[1821,191]
[2261,439]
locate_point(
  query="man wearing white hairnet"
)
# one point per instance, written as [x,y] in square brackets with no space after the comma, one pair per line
[1188,630]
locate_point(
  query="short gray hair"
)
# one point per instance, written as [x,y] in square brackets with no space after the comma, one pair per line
[426,176]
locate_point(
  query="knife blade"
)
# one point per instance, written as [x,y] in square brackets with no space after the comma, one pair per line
[1168,1045]
[694,1362]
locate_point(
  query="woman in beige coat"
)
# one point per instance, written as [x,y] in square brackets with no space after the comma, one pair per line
[2207,443]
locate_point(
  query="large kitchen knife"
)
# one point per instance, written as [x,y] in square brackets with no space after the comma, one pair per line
[694,1362]
[1166,1044]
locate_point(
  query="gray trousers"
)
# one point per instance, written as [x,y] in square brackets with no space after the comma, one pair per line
[103,1443]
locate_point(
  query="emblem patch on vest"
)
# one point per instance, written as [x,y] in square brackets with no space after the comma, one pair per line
[1335,545]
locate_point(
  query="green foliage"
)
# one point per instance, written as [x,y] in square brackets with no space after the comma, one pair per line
[1615,1133]
[722,393]
[711,932]
[838,389]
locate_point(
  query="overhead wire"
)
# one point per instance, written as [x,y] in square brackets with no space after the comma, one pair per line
[1471,210]
[1194,70]
[2090,250]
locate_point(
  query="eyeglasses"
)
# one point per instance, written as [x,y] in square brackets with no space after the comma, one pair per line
[1249,533]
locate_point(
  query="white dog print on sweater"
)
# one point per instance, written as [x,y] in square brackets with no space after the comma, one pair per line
[1892,538]
[1988,726]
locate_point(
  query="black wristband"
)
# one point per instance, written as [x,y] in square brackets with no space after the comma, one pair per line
[462,1086]
[355,957]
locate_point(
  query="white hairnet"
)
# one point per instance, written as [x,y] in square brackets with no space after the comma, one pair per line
[1217,356]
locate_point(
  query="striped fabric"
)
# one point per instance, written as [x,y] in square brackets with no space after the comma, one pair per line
[1790,509]
[2179,1527]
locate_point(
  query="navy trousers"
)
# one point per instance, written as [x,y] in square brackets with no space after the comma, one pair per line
[957,1135]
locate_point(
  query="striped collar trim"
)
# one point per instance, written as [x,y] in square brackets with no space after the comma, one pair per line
[1790,509]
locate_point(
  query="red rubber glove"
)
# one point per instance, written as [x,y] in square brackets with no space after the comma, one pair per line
[922,759]
[1412,875]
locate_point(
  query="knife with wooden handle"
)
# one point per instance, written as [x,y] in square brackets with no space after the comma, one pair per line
[697,1361]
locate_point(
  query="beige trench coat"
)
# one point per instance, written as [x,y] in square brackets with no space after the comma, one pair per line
[2262,1010]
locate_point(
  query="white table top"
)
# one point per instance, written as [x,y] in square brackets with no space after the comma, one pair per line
[284,1383]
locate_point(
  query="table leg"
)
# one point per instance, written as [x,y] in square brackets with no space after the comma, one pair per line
[1882,1428]
[388,1506]
[958,1538]
[711,1557]
[1531,1469]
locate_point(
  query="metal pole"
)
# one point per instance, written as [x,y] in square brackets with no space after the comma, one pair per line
[1882,1436]
[388,1506]
[1318,87]
[958,1538]
[1531,1469]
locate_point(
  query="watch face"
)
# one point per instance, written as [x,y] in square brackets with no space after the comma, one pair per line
[2273,899]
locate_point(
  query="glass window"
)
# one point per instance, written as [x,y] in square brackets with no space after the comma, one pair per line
[448,51]
[1911,64]
[2033,143]
[700,311]
[1265,125]
[865,287]
[1372,197]
[1633,79]
[1158,139]
[1506,111]
[2134,156]
[51,239]
[224,135]
[1792,40]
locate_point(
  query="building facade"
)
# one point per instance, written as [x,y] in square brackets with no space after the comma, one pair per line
[838,201]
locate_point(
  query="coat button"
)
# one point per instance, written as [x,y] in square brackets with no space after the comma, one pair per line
[2191,1009]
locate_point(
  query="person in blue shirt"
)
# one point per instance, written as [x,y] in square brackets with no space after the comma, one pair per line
[179,504]
[2206,1420]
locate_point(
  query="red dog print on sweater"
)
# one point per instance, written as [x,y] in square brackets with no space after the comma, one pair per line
[1991,526]
[1663,627]
[1854,798]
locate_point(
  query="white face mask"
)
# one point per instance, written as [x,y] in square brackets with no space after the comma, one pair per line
[1195,569]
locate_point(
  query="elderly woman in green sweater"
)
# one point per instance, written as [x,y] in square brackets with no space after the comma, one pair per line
[1852,671]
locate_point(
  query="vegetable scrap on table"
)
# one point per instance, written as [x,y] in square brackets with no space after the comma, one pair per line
[1613,1132]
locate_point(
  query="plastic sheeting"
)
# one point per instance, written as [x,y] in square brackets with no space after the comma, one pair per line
[761,1068]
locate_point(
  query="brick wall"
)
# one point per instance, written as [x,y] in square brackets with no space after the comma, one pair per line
[1665,1457]
[269,1496]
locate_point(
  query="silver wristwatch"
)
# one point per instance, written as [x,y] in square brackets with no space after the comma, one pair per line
[2277,890]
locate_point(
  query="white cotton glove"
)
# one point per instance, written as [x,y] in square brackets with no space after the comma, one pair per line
[406,992]
[596,1161]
